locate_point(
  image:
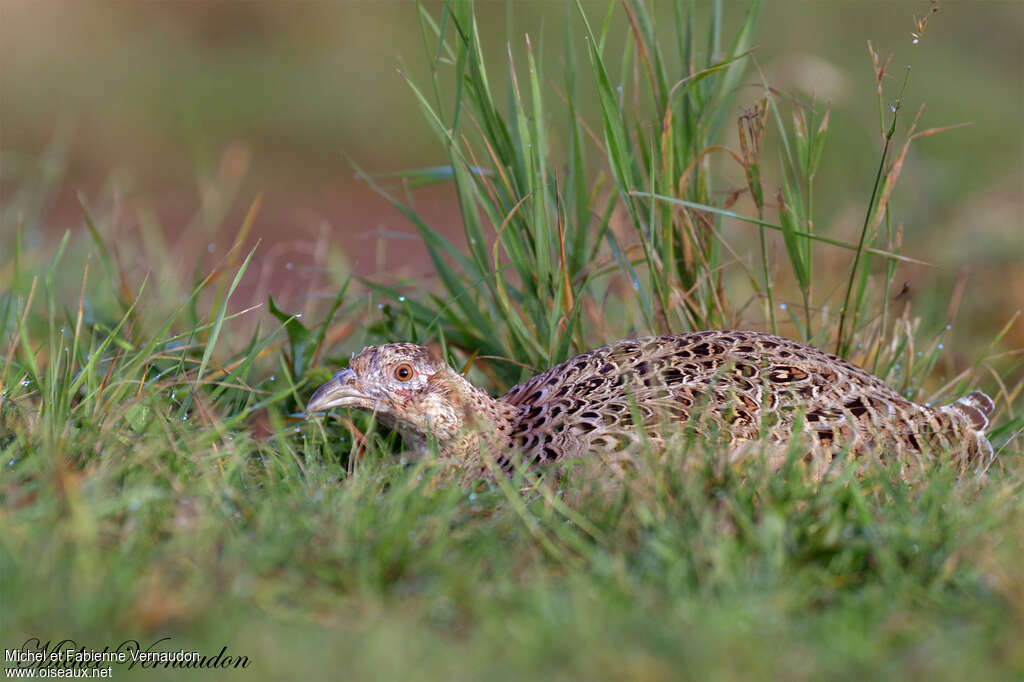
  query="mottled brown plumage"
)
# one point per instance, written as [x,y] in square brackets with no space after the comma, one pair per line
[737,386]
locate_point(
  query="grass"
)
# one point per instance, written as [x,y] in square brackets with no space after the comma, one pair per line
[157,480]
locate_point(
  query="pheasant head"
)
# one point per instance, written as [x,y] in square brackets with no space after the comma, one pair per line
[411,389]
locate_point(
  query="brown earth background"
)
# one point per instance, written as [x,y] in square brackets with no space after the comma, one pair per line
[173,118]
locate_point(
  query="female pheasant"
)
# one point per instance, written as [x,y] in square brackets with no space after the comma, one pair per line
[739,386]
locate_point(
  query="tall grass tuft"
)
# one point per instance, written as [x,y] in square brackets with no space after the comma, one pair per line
[620,216]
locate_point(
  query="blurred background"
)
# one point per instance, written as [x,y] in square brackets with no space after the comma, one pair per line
[180,118]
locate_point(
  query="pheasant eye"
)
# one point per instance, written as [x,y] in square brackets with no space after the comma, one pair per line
[403,372]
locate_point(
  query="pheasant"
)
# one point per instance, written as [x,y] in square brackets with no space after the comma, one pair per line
[740,386]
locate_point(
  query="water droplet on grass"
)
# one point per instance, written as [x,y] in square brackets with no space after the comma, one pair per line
[782,306]
[941,346]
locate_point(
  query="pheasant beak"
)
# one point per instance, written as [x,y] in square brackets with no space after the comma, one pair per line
[342,390]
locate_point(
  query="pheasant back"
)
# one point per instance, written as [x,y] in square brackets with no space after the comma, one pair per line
[735,385]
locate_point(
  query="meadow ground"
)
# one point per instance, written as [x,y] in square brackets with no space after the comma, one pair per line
[160,488]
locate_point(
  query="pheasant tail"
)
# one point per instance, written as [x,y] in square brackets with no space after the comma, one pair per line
[976,407]
[972,412]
